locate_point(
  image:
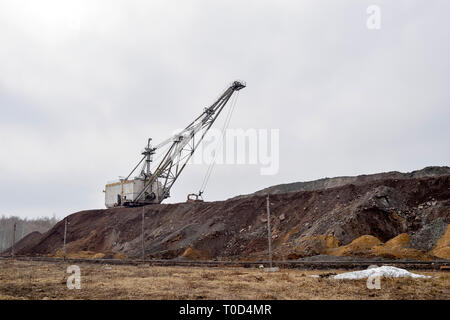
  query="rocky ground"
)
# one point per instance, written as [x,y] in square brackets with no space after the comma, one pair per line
[388,217]
[326,183]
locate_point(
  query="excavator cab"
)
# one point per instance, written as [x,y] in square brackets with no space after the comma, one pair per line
[193,197]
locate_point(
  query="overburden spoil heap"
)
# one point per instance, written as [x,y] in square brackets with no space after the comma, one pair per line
[391,218]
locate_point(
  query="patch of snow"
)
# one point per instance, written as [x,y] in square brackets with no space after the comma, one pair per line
[314,276]
[273,269]
[384,271]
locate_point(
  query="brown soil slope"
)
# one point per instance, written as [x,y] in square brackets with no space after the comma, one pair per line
[304,223]
[28,241]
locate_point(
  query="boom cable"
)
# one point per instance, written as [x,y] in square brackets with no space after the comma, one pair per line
[225,126]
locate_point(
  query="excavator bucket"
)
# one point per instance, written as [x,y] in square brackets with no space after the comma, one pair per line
[192,197]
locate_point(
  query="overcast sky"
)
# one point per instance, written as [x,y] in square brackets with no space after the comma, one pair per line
[83,84]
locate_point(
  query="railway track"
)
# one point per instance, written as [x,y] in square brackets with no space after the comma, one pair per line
[336,264]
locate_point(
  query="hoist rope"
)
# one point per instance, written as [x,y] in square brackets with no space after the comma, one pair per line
[225,126]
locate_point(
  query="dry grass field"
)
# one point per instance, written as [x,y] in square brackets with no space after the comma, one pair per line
[47,280]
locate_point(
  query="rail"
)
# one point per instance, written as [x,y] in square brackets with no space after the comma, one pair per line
[336,264]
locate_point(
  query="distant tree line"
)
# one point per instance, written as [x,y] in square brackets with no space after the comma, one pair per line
[23,227]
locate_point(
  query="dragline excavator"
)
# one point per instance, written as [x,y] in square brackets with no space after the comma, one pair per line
[153,187]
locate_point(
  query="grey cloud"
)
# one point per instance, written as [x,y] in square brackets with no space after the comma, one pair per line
[84,83]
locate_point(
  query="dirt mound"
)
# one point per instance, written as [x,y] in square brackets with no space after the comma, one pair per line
[311,246]
[442,249]
[194,254]
[399,248]
[369,246]
[353,219]
[361,246]
[366,246]
[28,241]
[326,183]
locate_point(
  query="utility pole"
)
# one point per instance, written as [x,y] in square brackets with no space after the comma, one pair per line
[269,235]
[65,235]
[13,240]
[142,232]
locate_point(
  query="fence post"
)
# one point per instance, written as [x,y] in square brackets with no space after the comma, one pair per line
[142,232]
[13,240]
[65,235]
[269,235]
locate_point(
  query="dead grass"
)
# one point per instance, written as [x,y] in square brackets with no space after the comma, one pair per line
[40,280]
